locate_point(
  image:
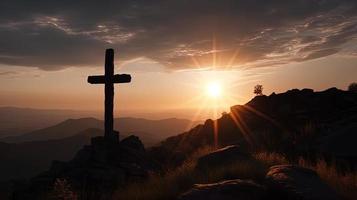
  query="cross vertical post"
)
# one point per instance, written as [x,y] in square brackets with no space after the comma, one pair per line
[109,79]
[109,93]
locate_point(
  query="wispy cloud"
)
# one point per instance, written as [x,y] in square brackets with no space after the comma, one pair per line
[8,73]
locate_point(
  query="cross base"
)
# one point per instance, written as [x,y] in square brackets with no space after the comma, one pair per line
[112,139]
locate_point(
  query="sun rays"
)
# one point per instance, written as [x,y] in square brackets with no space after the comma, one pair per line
[216,91]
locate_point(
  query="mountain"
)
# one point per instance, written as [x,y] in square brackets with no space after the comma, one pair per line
[28,154]
[151,131]
[24,160]
[64,129]
[15,121]
[295,123]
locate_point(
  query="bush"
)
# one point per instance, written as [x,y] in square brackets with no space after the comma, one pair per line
[258,90]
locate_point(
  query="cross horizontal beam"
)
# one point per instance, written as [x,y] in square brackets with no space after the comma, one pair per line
[117,78]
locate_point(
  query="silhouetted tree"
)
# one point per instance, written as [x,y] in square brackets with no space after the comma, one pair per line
[352,87]
[258,90]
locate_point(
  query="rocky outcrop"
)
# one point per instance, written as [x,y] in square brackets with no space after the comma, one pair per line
[96,170]
[222,157]
[226,190]
[297,183]
[303,118]
[133,142]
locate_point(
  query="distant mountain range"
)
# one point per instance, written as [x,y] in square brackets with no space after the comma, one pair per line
[151,131]
[15,121]
[26,155]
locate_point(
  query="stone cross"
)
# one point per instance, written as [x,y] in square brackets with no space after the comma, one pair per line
[108,80]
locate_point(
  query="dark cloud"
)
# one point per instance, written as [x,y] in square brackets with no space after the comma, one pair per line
[179,34]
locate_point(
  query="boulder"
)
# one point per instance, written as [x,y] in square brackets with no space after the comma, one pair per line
[221,157]
[132,142]
[226,190]
[297,183]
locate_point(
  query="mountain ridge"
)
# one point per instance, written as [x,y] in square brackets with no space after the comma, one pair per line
[155,128]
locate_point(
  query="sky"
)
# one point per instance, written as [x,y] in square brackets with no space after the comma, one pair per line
[174,51]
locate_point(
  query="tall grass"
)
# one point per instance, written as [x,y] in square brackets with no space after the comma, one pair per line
[344,183]
[181,179]
[165,186]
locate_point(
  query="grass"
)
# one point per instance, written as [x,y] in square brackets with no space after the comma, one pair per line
[181,179]
[343,183]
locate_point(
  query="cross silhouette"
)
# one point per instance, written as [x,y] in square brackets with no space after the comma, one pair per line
[109,79]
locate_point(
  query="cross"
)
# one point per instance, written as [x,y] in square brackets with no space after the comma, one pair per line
[109,79]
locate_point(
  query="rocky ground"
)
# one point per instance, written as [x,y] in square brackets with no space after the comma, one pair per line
[232,173]
[94,173]
[281,182]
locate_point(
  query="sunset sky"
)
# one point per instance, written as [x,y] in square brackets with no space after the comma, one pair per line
[174,50]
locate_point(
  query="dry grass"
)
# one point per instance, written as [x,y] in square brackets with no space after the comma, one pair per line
[164,186]
[270,159]
[181,179]
[343,183]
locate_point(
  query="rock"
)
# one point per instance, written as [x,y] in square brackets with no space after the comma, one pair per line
[226,190]
[297,183]
[96,170]
[307,91]
[133,142]
[222,157]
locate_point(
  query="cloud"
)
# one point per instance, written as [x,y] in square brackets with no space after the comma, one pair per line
[178,34]
[7,73]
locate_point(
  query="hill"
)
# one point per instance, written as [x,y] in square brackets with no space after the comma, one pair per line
[151,131]
[15,121]
[28,154]
[295,123]
[24,160]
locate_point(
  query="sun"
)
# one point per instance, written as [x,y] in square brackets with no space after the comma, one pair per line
[214,90]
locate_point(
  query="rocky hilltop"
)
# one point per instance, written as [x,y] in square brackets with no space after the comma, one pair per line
[295,123]
[94,173]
